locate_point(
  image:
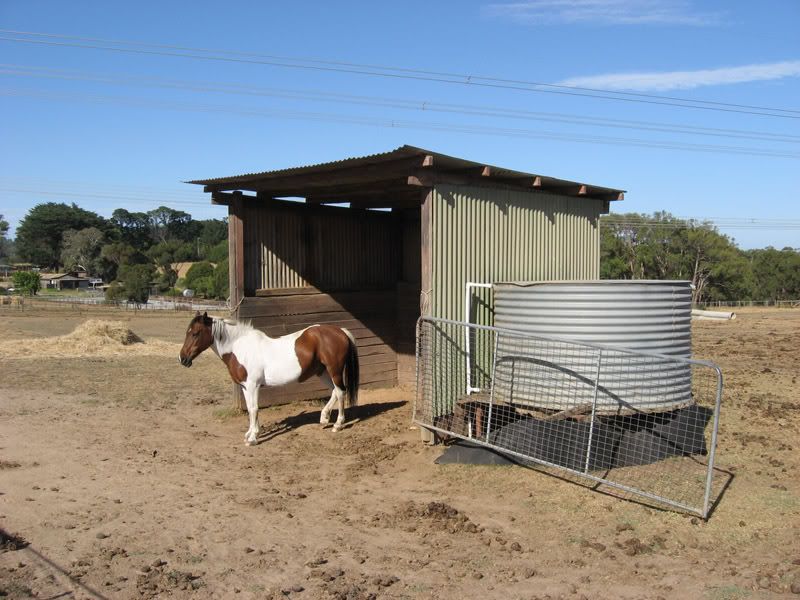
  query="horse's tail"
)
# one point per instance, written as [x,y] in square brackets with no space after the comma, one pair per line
[351,369]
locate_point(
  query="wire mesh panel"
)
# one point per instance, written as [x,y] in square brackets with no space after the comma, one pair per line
[581,409]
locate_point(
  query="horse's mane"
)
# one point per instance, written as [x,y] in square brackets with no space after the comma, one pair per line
[229,329]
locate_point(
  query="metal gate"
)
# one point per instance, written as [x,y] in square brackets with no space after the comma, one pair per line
[582,409]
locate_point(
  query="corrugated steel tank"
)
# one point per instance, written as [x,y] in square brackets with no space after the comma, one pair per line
[650,316]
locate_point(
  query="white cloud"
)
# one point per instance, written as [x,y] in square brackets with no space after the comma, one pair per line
[603,12]
[685,80]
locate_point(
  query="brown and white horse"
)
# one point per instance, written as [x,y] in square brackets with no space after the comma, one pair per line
[255,359]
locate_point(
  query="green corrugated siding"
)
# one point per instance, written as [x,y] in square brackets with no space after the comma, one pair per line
[487,235]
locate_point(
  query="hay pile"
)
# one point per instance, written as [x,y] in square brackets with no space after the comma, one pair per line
[91,338]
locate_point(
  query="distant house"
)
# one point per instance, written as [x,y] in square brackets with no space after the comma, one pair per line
[65,281]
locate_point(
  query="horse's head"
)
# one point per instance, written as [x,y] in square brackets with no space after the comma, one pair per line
[198,338]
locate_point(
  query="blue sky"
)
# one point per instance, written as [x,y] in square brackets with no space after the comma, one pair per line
[124,127]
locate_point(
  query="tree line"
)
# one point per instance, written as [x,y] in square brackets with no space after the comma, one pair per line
[134,250]
[137,249]
[661,246]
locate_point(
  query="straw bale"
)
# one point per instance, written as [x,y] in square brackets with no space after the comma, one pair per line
[94,337]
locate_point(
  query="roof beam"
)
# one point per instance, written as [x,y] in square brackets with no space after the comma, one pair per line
[225,198]
[300,183]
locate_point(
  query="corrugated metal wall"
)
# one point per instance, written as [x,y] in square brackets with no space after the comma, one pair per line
[291,246]
[487,234]
[484,234]
[650,316]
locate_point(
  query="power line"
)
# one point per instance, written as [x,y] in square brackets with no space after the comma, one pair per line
[127,190]
[100,196]
[405,124]
[416,105]
[465,77]
[397,73]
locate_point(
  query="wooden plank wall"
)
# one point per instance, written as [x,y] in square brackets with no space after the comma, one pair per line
[407,315]
[293,244]
[369,315]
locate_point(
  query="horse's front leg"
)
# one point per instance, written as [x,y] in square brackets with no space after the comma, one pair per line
[251,398]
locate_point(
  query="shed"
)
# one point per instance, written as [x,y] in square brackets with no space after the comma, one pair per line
[370,243]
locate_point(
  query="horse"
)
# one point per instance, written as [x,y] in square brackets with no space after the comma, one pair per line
[254,359]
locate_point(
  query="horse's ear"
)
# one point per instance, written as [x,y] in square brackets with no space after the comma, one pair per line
[197,314]
[206,319]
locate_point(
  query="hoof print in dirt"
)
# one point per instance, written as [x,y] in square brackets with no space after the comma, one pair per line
[158,582]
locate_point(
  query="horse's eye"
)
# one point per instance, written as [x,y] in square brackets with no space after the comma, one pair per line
[196,334]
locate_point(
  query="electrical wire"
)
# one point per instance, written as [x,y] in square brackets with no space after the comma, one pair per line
[404,124]
[415,105]
[465,77]
[141,48]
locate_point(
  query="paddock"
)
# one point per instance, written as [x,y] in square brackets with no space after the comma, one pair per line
[135,484]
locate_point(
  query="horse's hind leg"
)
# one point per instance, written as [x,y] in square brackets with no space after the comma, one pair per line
[339,392]
[325,413]
[338,397]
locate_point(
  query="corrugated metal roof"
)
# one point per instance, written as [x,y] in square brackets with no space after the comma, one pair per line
[439,161]
[401,152]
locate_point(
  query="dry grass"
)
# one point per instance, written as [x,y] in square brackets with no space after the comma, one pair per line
[94,337]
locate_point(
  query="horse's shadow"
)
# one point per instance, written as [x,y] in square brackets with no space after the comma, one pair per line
[354,414]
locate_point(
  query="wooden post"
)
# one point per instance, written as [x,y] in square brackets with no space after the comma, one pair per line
[426,254]
[426,275]
[236,271]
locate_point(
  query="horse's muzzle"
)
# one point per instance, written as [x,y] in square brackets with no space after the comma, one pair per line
[186,362]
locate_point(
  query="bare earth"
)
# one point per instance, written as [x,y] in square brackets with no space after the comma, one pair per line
[124,475]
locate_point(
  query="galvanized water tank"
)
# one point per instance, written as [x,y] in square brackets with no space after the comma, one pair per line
[644,315]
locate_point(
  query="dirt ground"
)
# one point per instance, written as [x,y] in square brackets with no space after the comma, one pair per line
[124,475]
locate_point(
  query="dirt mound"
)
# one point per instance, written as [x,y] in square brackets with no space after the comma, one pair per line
[435,516]
[94,337]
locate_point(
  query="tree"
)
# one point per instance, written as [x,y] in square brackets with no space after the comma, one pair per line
[169,224]
[198,271]
[133,228]
[116,254]
[660,246]
[213,232]
[221,285]
[776,273]
[26,282]
[218,253]
[5,244]
[84,249]
[39,235]
[134,281]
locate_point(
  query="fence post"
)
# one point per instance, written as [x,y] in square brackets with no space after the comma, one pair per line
[594,410]
[491,394]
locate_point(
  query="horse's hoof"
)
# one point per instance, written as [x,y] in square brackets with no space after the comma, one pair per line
[250,443]
[337,427]
[325,425]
